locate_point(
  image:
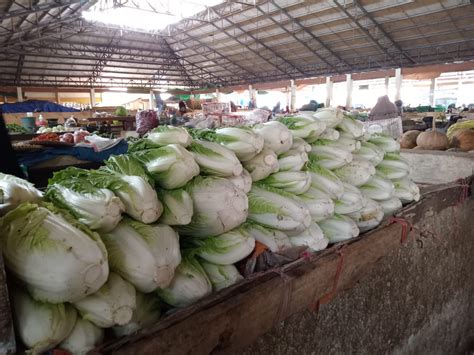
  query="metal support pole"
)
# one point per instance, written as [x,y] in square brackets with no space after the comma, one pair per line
[349,86]
[19,94]
[398,83]
[328,91]
[92,97]
[292,96]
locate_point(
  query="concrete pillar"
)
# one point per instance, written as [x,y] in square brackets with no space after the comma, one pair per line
[218,95]
[292,96]
[349,85]
[92,97]
[19,94]
[387,83]
[152,102]
[328,91]
[432,91]
[252,96]
[398,83]
[57,96]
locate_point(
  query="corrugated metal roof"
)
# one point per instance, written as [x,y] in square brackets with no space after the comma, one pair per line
[46,42]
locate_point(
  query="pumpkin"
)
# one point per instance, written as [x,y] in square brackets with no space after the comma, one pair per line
[408,139]
[463,139]
[432,140]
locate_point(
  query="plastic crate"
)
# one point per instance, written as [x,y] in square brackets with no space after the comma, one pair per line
[391,126]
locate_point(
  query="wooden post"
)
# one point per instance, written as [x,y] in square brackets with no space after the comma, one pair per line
[398,83]
[328,91]
[292,96]
[92,97]
[19,94]
[349,86]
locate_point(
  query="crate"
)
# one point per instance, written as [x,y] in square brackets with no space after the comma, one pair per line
[390,126]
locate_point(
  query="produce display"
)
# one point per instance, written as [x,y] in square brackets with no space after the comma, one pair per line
[170,221]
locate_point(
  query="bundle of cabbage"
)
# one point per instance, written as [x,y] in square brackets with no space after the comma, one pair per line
[329,155]
[305,128]
[273,239]
[358,172]
[178,207]
[296,182]
[339,228]
[14,191]
[369,216]
[189,284]
[313,238]
[72,189]
[84,337]
[113,304]
[391,205]
[300,145]
[406,190]
[262,165]
[242,181]
[370,152]
[393,166]
[292,160]
[171,166]
[346,141]
[274,208]
[243,141]
[331,116]
[215,159]
[221,276]
[386,143]
[164,135]
[277,137]
[146,313]
[325,180]
[319,204]
[352,126]
[330,134]
[218,205]
[127,178]
[59,259]
[144,255]
[378,188]
[41,326]
[225,249]
[351,200]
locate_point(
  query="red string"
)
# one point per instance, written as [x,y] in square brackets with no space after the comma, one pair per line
[329,296]
[406,227]
[464,191]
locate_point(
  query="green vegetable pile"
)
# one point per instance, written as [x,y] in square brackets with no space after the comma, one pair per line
[164,225]
[14,128]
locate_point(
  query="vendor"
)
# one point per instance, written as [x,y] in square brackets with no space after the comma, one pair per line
[182,108]
[383,109]
[8,162]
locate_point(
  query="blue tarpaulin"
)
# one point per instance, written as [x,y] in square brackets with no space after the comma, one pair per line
[35,106]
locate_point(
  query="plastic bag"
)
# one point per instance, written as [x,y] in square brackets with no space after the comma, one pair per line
[146,120]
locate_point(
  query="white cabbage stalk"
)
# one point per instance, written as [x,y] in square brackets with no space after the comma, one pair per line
[275,209]
[221,276]
[215,159]
[406,190]
[339,228]
[273,239]
[313,238]
[350,201]
[146,313]
[302,127]
[225,249]
[14,191]
[84,337]
[277,137]
[112,304]
[178,207]
[331,116]
[329,156]
[352,126]
[189,284]
[292,160]
[241,140]
[368,217]
[262,165]
[386,143]
[144,255]
[370,152]
[58,259]
[300,145]
[393,166]
[357,173]
[171,166]
[349,144]
[330,134]
[243,181]
[378,188]
[296,182]
[319,204]
[165,135]
[41,326]
[391,206]
[218,205]
[325,180]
